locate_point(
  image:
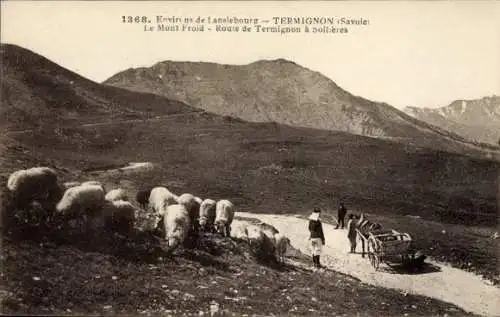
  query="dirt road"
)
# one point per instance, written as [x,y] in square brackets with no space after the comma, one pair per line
[445,283]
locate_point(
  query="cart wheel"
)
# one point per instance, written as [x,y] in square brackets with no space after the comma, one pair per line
[377,261]
[404,259]
[371,256]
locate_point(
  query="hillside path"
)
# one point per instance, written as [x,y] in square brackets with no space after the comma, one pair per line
[115,122]
[448,284]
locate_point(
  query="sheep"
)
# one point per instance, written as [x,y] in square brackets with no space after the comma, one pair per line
[15,179]
[253,232]
[281,242]
[118,215]
[160,198]
[193,208]
[191,204]
[37,183]
[260,244]
[95,183]
[254,235]
[116,194]
[238,231]
[198,200]
[83,196]
[268,229]
[81,201]
[224,214]
[207,214]
[142,197]
[177,224]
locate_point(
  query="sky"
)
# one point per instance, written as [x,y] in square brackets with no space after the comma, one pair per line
[419,53]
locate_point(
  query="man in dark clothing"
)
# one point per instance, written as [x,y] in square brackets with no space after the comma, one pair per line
[316,237]
[341,212]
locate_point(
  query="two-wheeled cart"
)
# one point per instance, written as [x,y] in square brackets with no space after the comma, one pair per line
[388,246]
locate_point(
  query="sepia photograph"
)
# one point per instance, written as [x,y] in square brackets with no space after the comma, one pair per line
[250,158]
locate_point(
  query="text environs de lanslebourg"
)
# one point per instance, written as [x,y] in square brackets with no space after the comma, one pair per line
[285,24]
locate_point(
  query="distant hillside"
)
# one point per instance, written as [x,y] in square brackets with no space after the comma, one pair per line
[261,167]
[283,92]
[477,119]
[36,92]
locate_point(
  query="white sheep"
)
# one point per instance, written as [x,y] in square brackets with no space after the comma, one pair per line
[177,225]
[118,215]
[16,179]
[117,194]
[207,214]
[193,208]
[189,201]
[281,243]
[83,196]
[260,244]
[269,230]
[238,231]
[37,183]
[224,214]
[97,183]
[160,198]
[84,201]
[253,233]
[198,200]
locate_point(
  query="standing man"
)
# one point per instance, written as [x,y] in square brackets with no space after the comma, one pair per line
[341,212]
[351,233]
[316,237]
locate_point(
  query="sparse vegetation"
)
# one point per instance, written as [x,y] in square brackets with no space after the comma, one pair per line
[261,167]
[63,98]
[134,276]
[374,176]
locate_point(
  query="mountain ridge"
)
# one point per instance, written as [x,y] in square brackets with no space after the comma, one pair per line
[282,91]
[37,92]
[476,119]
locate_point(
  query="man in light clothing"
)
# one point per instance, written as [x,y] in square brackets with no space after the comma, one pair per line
[316,237]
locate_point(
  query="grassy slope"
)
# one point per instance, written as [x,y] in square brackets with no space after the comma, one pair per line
[35,92]
[238,158]
[261,167]
[120,277]
[276,169]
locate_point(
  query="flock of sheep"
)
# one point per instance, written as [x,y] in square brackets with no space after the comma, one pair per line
[179,218]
